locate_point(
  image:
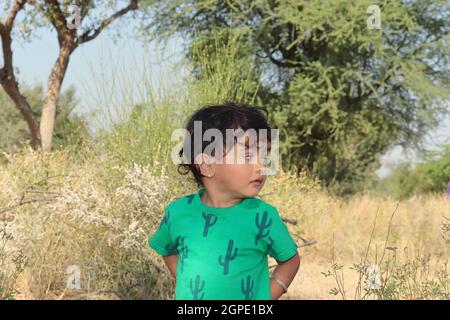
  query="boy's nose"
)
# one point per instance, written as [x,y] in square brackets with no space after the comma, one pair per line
[259,165]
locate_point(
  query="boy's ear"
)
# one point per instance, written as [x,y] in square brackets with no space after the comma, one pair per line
[204,164]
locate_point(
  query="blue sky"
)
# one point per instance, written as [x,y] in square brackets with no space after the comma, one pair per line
[92,64]
[94,61]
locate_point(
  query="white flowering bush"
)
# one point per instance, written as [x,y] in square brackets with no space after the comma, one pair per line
[12,263]
[88,215]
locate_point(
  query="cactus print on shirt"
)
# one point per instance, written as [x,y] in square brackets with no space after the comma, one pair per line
[223,252]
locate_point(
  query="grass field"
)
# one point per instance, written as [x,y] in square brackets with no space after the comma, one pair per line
[64,209]
[88,210]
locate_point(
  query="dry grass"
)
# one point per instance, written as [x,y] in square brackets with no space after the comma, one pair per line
[362,231]
[89,215]
[63,211]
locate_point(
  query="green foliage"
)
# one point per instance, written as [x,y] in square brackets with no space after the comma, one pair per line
[8,274]
[162,110]
[144,137]
[340,93]
[427,177]
[69,130]
[222,69]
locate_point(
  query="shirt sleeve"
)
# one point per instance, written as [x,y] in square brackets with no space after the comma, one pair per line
[280,244]
[162,241]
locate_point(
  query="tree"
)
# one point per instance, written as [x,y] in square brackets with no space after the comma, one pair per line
[340,92]
[70,129]
[430,175]
[75,22]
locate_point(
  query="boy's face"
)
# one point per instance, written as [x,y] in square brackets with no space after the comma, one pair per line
[239,174]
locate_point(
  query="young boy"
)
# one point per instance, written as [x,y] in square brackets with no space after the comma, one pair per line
[215,242]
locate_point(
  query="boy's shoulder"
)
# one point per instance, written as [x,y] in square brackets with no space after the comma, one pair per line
[260,204]
[181,202]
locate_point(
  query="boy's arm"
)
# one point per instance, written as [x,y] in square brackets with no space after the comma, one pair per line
[285,271]
[171,263]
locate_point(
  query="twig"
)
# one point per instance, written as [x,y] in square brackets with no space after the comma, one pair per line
[24,202]
[306,243]
[388,232]
[286,220]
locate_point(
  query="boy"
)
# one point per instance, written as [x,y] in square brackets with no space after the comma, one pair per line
[215,242]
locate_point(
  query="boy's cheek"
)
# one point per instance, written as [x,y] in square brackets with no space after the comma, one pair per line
[233,172]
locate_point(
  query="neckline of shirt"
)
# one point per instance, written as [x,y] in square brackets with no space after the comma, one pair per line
[244,204]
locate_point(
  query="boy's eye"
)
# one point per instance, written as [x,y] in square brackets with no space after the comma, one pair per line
[265,160]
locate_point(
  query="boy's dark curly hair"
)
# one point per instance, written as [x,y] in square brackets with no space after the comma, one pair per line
[228,115]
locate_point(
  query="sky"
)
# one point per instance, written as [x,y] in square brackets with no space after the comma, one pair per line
[92,63]
[102,64]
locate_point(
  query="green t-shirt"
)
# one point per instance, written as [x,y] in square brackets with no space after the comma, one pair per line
[222,251]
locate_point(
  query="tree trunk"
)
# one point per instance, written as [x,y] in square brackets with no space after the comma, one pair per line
[52,94]
[21,103]
[9,84]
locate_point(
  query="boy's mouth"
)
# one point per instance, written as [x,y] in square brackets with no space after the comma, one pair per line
[257,181]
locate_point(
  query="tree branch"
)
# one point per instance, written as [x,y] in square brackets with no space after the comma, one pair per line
[56,16]
[5,31]
[38,6]
[84,5]
[16,7]
[93,33]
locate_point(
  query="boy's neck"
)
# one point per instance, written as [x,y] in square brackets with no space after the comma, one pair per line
[219,199]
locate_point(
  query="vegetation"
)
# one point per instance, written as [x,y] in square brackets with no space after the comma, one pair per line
[341,94]
[75,222]
[429,176]
[70,129]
